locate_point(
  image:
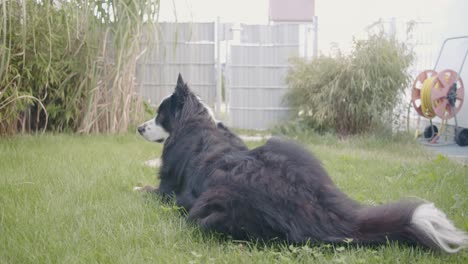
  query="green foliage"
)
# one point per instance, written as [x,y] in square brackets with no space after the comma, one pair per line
[69,199]
[58,70]
[354,93]
[44,64]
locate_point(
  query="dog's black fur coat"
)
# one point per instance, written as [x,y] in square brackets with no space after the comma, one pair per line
[276,191]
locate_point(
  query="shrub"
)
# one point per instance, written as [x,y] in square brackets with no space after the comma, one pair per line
[354,93]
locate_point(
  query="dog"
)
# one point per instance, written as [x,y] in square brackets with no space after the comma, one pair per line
[278,191]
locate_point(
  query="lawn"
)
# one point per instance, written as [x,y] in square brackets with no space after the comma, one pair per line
[69,199]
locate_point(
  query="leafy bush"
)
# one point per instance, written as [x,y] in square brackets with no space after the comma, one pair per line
[354,93]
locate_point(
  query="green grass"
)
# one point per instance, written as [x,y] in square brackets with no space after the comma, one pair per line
[69,199]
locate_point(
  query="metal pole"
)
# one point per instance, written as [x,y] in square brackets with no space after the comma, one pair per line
[393,27]
[442,48]
[218,67]
[226,71]
[315,49]
[306,42]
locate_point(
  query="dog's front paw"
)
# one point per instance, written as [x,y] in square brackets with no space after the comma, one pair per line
[146,188]
[137,188]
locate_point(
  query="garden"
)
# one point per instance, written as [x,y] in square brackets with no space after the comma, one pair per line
[70,155]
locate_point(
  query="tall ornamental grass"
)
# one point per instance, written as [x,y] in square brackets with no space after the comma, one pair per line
[70,65]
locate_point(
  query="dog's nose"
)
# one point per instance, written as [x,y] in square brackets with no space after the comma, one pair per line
[141,129]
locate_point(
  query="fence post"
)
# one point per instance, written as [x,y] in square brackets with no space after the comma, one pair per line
[218,68]
[315,49]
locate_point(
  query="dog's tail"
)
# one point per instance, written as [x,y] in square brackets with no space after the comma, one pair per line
[413,222]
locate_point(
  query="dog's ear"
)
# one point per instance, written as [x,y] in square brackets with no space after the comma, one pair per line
[181,90]
[180,81]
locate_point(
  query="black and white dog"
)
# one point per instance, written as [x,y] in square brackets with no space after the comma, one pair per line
[276,191]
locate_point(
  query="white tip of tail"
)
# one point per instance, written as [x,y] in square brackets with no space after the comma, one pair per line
[437,227]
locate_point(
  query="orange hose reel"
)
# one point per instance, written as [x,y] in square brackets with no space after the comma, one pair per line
[438,94]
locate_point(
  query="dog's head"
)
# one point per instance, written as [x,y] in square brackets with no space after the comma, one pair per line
[173,111]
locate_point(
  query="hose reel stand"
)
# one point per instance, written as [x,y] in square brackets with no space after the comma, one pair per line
[440,94]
